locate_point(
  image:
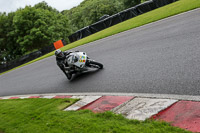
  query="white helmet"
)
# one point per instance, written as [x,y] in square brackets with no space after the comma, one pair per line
[59,53]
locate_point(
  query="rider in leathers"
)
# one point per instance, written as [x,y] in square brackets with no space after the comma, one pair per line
[60,59]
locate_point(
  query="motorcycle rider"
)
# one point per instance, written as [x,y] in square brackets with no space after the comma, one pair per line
[60,59]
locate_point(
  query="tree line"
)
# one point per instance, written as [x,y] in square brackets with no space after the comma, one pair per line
[34,27]
[90,11]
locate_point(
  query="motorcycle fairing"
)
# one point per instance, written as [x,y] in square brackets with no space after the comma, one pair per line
[78,59]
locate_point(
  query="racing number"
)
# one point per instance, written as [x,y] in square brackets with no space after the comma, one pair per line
[82,59]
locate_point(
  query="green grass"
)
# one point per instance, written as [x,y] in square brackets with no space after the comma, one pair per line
[45,116]
[152,16]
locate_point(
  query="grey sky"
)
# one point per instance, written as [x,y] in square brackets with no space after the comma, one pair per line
[13,5]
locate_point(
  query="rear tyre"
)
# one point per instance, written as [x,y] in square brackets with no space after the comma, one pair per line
[96,64]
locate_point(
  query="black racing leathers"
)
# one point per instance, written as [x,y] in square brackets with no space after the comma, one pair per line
[61,62]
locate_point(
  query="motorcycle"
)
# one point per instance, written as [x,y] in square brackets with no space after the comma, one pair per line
[79,62]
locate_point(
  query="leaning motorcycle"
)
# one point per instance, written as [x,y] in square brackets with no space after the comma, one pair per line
[79,62]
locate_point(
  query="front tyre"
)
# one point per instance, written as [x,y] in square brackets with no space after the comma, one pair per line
[96,64]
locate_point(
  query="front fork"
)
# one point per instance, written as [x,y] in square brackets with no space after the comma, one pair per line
[88,61]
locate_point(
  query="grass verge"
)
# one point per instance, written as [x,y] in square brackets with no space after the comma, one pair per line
[152,16]
[44,115]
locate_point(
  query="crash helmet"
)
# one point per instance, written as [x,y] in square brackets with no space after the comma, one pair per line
[59,53]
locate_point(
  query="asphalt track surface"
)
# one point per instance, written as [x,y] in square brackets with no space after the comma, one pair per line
[162,58]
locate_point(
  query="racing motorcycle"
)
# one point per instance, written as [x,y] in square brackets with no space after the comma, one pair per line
[79,62]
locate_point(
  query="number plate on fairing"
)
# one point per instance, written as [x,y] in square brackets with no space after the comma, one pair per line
[82,59]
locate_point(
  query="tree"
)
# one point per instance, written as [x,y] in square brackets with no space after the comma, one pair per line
[31,28]
[8,47]
[131,3]
[2,36]
[89,11]
[45,6]
[36,27]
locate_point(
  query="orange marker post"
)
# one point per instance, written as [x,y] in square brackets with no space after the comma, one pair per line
[58,44]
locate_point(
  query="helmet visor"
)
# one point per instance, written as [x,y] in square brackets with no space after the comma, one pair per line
[61,54]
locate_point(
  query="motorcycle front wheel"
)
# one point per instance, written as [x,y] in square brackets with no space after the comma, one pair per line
[96,64]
